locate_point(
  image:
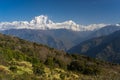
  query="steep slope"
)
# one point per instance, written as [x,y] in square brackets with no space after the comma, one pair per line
[105,31]
[105,48]
[61,39]
[23,60]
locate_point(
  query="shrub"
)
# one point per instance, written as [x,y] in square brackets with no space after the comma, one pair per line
[60,63]
[84,68]
[49,62]
[62,76]
[38,69]
[13,68]
[76,66]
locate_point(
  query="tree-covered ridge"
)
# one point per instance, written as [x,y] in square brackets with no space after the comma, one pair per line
[106,48]
[23,60]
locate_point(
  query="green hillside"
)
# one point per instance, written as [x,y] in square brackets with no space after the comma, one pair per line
[23,60]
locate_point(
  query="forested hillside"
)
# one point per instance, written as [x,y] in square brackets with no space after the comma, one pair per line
[23,60]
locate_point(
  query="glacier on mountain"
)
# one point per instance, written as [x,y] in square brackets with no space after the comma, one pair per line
[43,23]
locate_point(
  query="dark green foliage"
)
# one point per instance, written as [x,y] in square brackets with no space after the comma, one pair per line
[84,67]
[50,62]
[60,63]
[76,66]
[62,76]
[35,60]
[91,70]
[13,68]
[38,69]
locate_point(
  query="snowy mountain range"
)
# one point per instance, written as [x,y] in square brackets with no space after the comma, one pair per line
[44,23]
[61,36]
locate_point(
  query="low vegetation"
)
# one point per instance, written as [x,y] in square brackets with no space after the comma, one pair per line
[23,60]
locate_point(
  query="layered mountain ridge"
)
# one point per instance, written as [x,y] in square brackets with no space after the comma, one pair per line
[61,36]
[61,39]
[105,48]
[44,23]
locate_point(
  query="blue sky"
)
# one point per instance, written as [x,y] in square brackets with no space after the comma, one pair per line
[80,11]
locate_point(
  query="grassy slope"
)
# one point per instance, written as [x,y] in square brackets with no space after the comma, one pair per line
[23,60]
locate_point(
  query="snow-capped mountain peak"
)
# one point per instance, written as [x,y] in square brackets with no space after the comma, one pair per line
[41,20]
[44,23]
[118,24]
